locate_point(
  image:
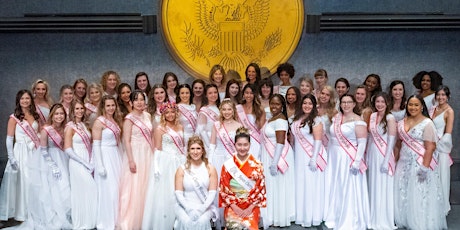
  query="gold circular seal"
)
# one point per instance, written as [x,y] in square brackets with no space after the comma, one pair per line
[232,33]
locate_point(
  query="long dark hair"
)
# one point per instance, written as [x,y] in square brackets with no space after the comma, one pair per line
[227,90]
[403,100]
[182,86]
[424,110]
[123,109]
[385,97]
[18,113]
[205,101]
[310,119]
[138,75]
[152,105]
[257,109]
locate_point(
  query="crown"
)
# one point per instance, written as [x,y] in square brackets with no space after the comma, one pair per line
[167,105]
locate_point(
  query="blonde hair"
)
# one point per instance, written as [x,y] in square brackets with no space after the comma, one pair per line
[227,101]
[330,111]
[47,87]
[93,86]
[195,140]
[105,77]
[117,116]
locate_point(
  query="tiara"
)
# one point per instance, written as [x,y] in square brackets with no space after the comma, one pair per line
[167,105]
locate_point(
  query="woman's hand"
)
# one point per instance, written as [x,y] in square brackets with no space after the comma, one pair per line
[132,167]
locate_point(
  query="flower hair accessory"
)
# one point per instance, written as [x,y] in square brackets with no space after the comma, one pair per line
[167,105]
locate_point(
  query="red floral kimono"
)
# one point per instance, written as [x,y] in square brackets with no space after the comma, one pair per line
[232,192]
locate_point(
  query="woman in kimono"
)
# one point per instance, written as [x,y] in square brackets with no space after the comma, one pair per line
[195,189]
[419,202]
[242,186]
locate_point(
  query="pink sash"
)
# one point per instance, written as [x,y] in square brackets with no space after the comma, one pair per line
[346,145]
[176,137]
[28,130]
[146,131]
[225,138]
[84,136]
[42,116]
[112,126]
[209,113]
[255,133]
[91,107]
[188,115]
[414,145]
[308,147]
[381,143]
[54,136]
[270,147]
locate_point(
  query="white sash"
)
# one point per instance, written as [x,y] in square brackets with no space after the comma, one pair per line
[381,143]
[270,147]
[239,176]
[84,136]
[176,137]
[198,186]
[188,115]
[54,136]
[414,145]
[225,138]
[28,130]
[308,147]
[42,116]
[112,126]
[91,107]
[255,133]
[146,131]
[346,145]
[209,113]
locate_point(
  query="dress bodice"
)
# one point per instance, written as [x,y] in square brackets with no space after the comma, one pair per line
[136,132]
[108,138]
[399,115]
[348,131]
[20,136]
[168,145]
[78,143]
[273,126]
[440,124]
[188,128]
[423,131]
[326,124]
[196,176]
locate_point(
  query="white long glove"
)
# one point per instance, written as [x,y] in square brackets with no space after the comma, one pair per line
[80,160]
[389,151]
[359,156]
[316,149]
[156,168]
[422,173]
[181,200]
[208,201]
[51,163]
[9,148]
[99,158]
[444,144]
[276,158]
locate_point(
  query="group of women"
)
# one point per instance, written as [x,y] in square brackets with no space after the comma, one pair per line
[230,154]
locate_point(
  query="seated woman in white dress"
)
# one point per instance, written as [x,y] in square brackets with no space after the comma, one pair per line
[348,195]
[22,129]
[443,119]
[310,163]
[168,156]
[77,144]
[195,189]
[381,162]
[252,115]
[419,202]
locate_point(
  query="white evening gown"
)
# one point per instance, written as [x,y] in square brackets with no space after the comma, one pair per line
[348,195]
[14,191]
[399,115]
[183,221]
[380,185]
[444,160]
[188,128]
[280,210]
[160,198]
[418,205]
[108,186]
[83,193]
[309,186]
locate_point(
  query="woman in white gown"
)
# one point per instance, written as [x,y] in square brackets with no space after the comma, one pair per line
[23,126]
[252,115]
[92,101]
[426,83]
[310,163]
[106,149]
[419,202]
[77,144]
[188,115]
[42,99]
[195,189]
[443,119]
[157,96]
[209,113]
[397,99]
[217,77]
[348,195]
[277,156]
[381,162]
[169,155]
